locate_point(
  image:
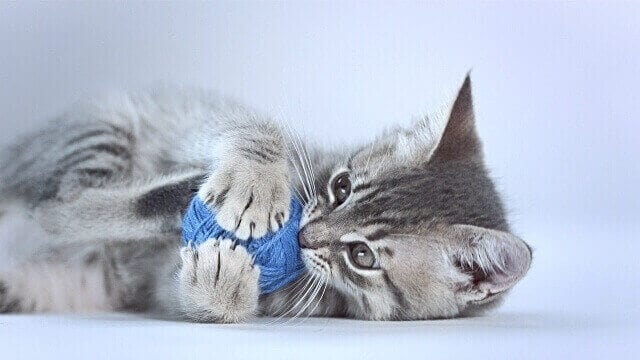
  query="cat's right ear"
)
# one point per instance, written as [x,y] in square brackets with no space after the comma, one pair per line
[490,261]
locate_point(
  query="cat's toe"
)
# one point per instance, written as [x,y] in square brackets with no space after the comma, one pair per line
[251,204]
[250,196]
[278,217]
[253,223]
[218,282]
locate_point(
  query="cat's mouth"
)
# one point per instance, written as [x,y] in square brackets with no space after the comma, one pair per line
[315,263]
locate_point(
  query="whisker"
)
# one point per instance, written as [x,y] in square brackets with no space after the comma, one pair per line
[295,166]
[298,195]
[319,300]
[312,171]
[300,152]
[307,287]
[303,300]
[294,155]
[290,132]
[317,286]
[295,291]
[307,161]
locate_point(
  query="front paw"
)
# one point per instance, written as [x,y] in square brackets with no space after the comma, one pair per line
[218,282]
[250,198]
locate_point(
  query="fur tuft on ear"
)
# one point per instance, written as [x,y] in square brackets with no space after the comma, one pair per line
[446,134]
[494,261]
[417,143]
[459,139]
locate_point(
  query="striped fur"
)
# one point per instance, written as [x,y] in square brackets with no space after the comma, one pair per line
[100,192]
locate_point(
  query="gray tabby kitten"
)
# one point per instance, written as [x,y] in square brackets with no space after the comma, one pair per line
[407,227]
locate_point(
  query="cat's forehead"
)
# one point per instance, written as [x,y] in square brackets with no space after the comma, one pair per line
[380,154]
[387,156]
[404,197]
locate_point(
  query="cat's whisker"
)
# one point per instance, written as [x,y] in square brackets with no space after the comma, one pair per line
[297,142]
[304,160]
[325,284]
[307,161]
[303,300]
[298,195]
[286,126]
[314,298]
[296,291]
[295,166]
[317,287]
[295,151]
[313,174]
[305,290]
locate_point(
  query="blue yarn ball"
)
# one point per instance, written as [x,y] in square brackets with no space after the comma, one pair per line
[276,253]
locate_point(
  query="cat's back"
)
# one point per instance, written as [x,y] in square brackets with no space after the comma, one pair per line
[153,128]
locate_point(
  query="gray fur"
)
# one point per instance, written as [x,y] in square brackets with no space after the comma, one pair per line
[109,182]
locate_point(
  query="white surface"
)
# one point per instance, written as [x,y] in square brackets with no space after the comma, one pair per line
[558,106]
[501,336]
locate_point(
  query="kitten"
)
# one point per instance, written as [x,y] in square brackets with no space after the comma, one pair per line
[407,227]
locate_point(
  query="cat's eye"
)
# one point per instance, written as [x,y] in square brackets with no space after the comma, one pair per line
[362,256]
[341,188]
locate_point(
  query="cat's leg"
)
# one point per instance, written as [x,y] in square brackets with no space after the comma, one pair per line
[217,283]
[52,286]
[132,211]
[97,251]
[65,158]
[99,275]
[249,186]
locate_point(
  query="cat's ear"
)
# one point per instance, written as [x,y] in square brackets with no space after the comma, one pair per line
[459,139]
[491,262]
[449,134]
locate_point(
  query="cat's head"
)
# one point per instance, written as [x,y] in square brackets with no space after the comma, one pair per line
[411,227]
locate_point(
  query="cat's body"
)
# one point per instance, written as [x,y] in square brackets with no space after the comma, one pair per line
[407,227]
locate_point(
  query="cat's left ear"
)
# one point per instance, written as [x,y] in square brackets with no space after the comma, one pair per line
[446,135]
[492,261]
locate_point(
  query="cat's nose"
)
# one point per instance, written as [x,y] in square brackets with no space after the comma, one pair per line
[304,239]
[316,235]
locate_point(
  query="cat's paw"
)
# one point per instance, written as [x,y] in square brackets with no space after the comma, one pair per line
[250,198]
[218,282]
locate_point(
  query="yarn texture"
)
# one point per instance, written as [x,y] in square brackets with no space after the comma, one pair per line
[277,254]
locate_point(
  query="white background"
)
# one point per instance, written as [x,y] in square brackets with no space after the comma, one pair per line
[557,100]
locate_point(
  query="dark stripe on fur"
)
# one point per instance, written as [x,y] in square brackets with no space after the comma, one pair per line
[379,234]
[169,199]
[87,135]
[113,149]
[220,198]
[398,295]
[262,156]
[362,186]
[8,305]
